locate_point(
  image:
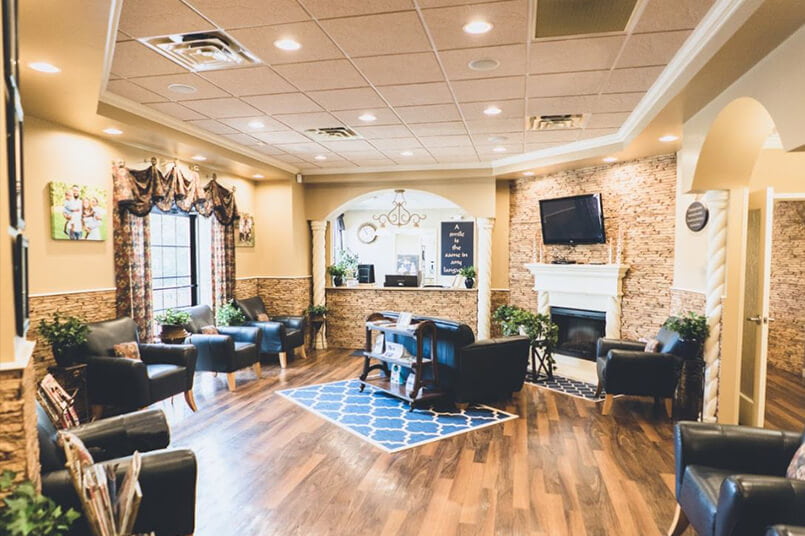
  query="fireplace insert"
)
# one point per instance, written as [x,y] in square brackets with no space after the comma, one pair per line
[579,331]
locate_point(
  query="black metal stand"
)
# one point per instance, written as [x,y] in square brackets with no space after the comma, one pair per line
[689,396]
[541,362]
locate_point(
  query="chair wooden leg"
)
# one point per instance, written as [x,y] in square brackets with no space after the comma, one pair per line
[607,409]
[598,389]
[462,405]
[190,399]
[283,359]
[679,524]
[96,412]
[230,381]
[669,407]
[302,352]
[258,370]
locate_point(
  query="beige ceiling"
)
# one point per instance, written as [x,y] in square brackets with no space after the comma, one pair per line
[405,61]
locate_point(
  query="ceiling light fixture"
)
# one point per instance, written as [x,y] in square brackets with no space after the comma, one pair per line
[320,157]
[407,153]
[199,158]
[499,149]
[257,176]
[367,117]
[44,67]
[287,44]
[484,64]
[528,173]
[477,27]
[398,215]
[184,89]
[492,110]
[256,124]
[113,131]
[610,159]
[497,139]
[668,138]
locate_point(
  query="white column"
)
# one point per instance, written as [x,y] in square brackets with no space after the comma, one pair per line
[716,202]
[613,320]
[319,256]
[543,302]
[484,259]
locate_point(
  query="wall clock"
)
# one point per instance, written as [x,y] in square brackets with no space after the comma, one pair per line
[367,233]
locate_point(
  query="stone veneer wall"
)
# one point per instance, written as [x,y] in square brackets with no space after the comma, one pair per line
[19,446]
[499,297]
[349,308]
[639,198]
[787,332]
[683,301]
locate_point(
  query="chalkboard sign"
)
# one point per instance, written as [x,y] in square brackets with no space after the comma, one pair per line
[458,246]
[696,216]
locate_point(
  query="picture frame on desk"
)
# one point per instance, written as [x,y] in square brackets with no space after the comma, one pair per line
[21,305]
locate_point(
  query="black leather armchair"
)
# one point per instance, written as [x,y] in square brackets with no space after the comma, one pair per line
[730,480]
[129,384]
[625,368]
[234,348]
[280,335]
[167,477]
[785,530]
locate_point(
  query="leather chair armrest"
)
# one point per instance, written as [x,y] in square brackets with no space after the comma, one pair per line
[604,345]
[640,373]
[292,322]
[182,355]
[242,333]
[120,436]
[747,504]
[785,530]
[742,449]
[215,343]
[117,381]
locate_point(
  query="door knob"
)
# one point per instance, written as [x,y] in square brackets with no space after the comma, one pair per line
[756,319]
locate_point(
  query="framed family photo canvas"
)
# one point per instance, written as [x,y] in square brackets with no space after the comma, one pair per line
[245,236]
[78,212]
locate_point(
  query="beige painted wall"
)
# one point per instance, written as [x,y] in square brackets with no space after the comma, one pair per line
[281,222]
[500,237]
[7,322]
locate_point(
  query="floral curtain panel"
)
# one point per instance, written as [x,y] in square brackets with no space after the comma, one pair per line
[223,264]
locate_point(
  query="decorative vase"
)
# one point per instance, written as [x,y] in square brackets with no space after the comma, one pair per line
[66,356]
[173,334]
[469,282]
[338,280]
[689,395]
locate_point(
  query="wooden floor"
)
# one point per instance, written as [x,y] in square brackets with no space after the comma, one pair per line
[785,400]
[269,467]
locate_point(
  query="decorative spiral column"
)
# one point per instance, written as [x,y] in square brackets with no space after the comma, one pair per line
[484,259]
[613,317]
[319,256]
[716,201]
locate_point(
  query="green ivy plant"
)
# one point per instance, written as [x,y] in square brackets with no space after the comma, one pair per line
[172,317]
[336,270]
[230,315]
[467,272]
[317,310]
[64,333]
[348,261]
[25,512]
[691,326]
[537,327]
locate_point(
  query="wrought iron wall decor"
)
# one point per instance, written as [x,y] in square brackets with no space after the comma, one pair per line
[399,215]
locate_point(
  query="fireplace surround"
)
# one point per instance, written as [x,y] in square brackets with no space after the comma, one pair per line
[579,331]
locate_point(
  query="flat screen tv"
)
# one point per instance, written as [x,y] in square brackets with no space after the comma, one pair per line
[572,220]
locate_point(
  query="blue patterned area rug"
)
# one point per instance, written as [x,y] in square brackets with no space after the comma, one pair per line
[571,387]
[384,420]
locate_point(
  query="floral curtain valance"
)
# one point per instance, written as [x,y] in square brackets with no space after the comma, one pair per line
[139,190]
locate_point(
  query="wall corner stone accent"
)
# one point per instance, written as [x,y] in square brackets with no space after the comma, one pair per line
[19,442]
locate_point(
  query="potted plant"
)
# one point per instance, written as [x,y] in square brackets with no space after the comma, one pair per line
[540,330]
[317,312]
[230,315]
[468,272]
[172,322]
[65,336]
[338,272]
[693,332]
[348,260]
[25,512]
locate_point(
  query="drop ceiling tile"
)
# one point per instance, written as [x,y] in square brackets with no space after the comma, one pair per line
[335,163]
[428,114]
[387,131]
[607,120]
[211,125]
[385,116]
[447,152]
[271,150]
[131,91]
[531,147]
[133,58]
[596,132]
[509,109]
[652,49]
[378,162]
[487,152]
[616,102]
[551,136]
[446,141]
[347,99]
[564,84]
[146,18]
[509,20]
[633,79]
[325,9]
[416,160]
[401,69]
[372,154]
[283,103]
[402,144]
[590,54]
[302,148]
[308,120]
[294,160]
[512,87]
[243,139]
[441,3]
[287,136]
[491,138]
[243,124]
[560,105]
[250,12]
[331,74]
[374,35]
[222,108]
[457,159]
[439,129]
[480,126]
[661,15]
[176,110]
[345,146]
[417,94]
[315,43]
[250,81]
[511,58]
[159,84]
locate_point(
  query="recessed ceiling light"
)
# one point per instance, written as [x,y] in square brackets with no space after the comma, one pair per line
[499,149]
[113,131]
[367,117]
[477,27]
[492,110]
[497,139]
[528,173]
[407,153]
[257,176]
[484,64]
[199,157]
[256,124]
[669,138]
[320,157]
[287,44]
[610,159]
[44,67]
[184,89]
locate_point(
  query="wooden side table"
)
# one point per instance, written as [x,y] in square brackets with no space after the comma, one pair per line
[74,381]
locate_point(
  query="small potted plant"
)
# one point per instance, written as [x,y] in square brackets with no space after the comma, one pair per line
[338,272]
[540,330]
[317,312]
[25,512]
[65,336]
[693,332]
[348,260]
[230,315]
[172,322]
[468,272]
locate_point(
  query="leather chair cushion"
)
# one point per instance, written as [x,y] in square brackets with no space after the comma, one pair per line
[245,355]
[103,336]
[200,317]
[699,496]
[166,380]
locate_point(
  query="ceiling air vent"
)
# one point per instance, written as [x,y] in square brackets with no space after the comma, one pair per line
[332,134]
[202,51]
[555,122]
[562,18]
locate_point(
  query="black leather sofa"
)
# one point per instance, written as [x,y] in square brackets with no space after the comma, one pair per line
[234,348]
[625,368]
[785,530]
[482,371]
[281,335]
[730,480]
[167,477]
[128,384]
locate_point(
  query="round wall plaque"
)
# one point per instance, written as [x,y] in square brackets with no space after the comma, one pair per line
[696,216]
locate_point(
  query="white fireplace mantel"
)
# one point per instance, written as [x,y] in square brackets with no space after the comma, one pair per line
[592,287]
